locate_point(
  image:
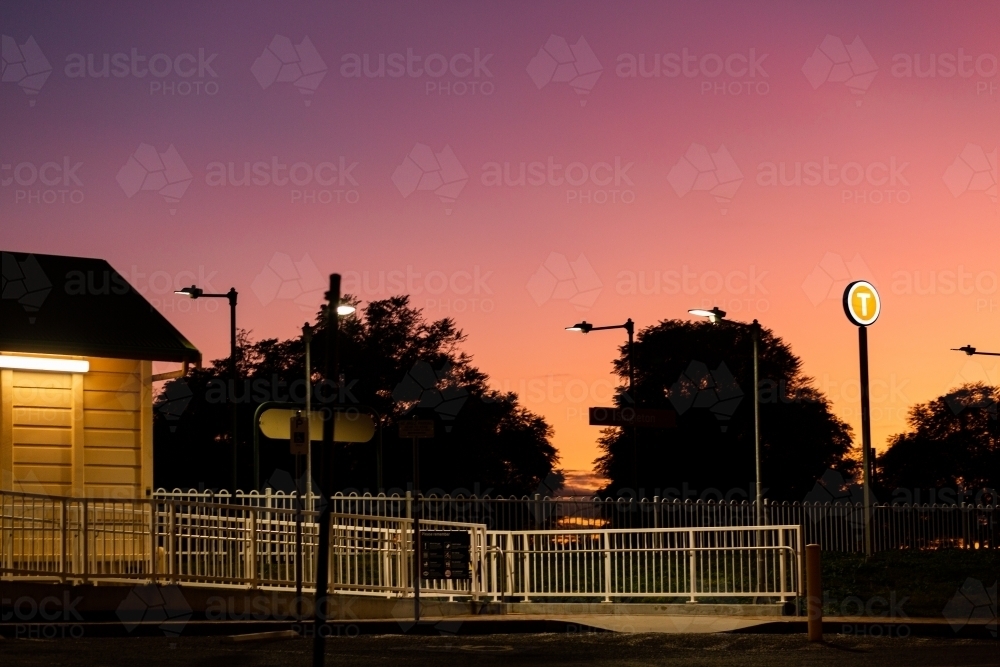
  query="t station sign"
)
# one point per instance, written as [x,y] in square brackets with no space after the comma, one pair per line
[862,306]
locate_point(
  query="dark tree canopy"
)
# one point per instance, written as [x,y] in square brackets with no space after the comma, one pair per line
[705,372]
[392,360]
[951,443]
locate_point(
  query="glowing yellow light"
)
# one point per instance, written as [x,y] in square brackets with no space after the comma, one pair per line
[44,364]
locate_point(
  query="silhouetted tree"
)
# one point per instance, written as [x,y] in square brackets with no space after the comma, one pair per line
[951,444]
[705,372]
[391,360]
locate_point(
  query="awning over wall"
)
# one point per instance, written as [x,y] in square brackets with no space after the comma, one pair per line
[50,304]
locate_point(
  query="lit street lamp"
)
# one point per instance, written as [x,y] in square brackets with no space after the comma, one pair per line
[198,293]
[629,326]
[716,316]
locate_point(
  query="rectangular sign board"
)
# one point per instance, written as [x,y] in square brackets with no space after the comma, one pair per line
[416,428]
[299,434]
[445,554]
[645,417]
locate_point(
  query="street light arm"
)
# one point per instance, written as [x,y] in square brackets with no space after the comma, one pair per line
[628,326]
[969,350]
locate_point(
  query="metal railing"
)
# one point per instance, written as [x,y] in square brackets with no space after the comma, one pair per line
[650,563]
[217,544]
[835,526]
[252,546]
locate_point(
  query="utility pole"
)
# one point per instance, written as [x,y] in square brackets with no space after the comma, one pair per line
[332,375]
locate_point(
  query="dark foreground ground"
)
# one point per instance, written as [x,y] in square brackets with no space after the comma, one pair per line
[617,650]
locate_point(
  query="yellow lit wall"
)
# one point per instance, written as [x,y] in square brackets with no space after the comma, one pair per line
[78,434]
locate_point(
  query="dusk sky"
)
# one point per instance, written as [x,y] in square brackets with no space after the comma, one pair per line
[674,156]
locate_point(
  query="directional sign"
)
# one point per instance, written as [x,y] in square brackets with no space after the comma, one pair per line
[861,303]
[299,440]
[350,425]
[416,428]
[647,417]
[445,554]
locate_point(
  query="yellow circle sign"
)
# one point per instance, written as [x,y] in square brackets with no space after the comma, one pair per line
[861,303]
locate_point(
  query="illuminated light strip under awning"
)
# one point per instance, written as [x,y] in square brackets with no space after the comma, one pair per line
[44,364]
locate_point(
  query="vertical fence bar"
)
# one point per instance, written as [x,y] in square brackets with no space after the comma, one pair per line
[64,540]
[606,541]
[693,565]
[171,538]
[85,537]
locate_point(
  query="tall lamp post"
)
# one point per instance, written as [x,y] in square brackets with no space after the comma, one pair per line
[969,350]
[198,293]
[332,312]
[629,326]
[716,316]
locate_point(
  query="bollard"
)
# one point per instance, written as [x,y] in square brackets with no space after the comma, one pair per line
[814,594]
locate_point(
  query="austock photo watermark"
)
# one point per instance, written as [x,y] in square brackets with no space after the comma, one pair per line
[736,74]
[437,292]
[176,74]
[57,180]
[302,64]
[185,74]
[323,182]
[561,279]
[735,291]
[47,617]
[327,182]
[601,182]
[563,391]
[875,182]
[827,280]
[434,291]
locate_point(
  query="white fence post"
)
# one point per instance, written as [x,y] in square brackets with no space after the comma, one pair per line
[252,556]
[781,559]
[606,538]
[693,566]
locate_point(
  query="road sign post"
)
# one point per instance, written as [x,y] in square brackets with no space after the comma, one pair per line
[862,307]
[298,441]
[417,429]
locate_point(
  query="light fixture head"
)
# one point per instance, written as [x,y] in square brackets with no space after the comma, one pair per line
[346,309]
[968,349]
[582,327]
[46,364]
[192,291]
[714,316]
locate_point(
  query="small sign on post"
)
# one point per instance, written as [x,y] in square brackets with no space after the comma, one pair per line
[299,434]
[422,429]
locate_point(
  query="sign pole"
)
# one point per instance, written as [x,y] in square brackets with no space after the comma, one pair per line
[866,436]
[416,429]
[416,530]
[862,306]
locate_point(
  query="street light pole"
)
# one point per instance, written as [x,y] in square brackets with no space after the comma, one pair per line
[717,316]
[232,295]
[755,330]
[307,342]
[332,374]
[629,326]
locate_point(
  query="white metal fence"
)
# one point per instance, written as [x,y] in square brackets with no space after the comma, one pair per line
[834,526]
[661,563]
[250,545]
